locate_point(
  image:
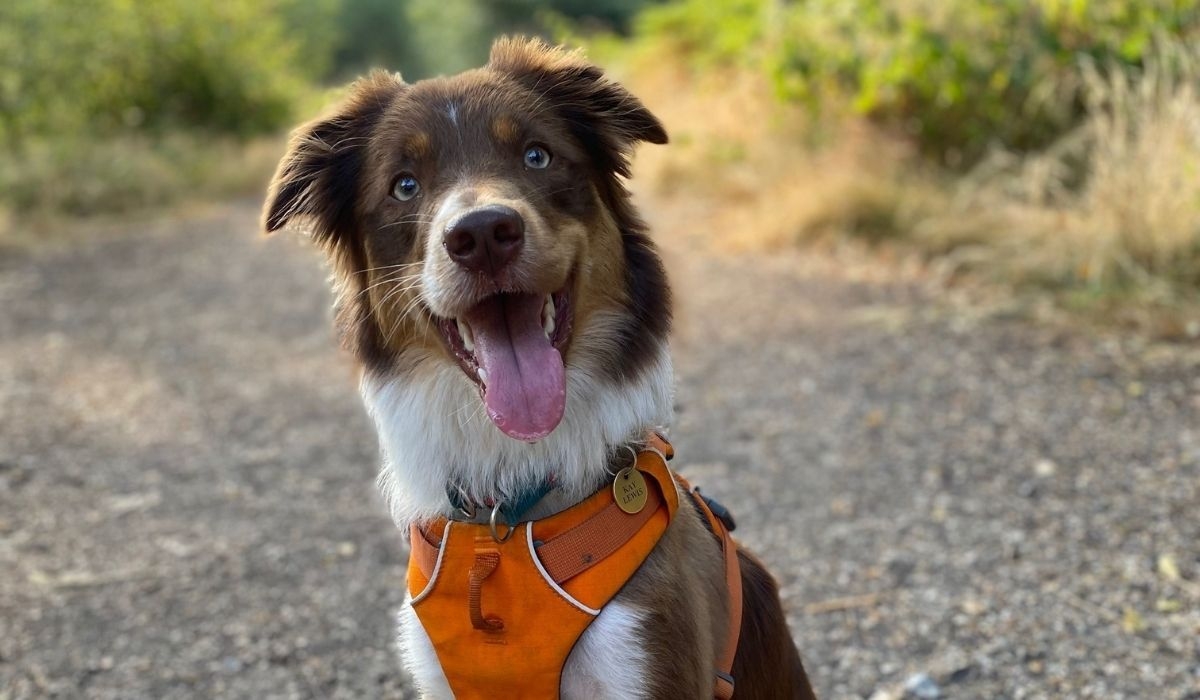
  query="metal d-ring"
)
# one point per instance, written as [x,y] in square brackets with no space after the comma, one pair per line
[633,455]
[492,524]
[466,506]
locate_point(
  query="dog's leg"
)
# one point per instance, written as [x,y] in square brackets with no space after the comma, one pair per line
[767,664]
[608,661]
[419,657]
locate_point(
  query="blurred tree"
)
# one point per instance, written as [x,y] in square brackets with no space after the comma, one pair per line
[447,36]
[374,33]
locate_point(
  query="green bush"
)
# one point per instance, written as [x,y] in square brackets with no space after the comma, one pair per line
[961,75]
[105,66]
[711,33]
[955,75]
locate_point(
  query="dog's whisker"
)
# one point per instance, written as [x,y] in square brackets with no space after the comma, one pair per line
[404,282]
[402,317]
[407,220]
[389,267]
[394,293]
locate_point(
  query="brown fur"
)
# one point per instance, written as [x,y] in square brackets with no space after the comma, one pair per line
[339,176]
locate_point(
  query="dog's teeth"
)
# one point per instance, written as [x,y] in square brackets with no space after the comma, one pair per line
[465,331]
[482,374]
[548,324]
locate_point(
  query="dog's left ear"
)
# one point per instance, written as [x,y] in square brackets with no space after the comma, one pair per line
[604,116]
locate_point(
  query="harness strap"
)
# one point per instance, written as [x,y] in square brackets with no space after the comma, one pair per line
[723,689]
[572,552]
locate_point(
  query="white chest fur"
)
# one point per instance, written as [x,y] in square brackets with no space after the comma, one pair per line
[433,431]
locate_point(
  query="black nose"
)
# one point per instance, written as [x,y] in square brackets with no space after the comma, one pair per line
[486,239]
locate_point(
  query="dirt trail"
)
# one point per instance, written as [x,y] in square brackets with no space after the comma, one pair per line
[187,506]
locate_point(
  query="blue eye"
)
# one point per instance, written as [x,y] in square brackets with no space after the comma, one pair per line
[537,158]
[406,187]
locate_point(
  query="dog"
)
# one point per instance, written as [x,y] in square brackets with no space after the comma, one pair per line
[510,316]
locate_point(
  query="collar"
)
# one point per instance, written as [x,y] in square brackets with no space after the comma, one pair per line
[512,509]
[509,509]
[581,535]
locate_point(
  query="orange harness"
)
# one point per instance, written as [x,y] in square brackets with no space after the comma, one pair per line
[504,611]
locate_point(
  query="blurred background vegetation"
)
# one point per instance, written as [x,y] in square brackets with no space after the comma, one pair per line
[1052,144]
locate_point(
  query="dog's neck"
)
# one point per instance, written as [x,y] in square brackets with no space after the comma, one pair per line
[434,434]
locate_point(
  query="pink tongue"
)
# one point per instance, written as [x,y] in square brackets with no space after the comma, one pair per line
[525,391]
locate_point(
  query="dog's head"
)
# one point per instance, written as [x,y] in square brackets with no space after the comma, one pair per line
[479,221]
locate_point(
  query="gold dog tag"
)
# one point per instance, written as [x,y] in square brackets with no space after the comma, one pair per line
[629,490]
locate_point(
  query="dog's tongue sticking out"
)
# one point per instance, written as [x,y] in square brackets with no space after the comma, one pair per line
[526,386]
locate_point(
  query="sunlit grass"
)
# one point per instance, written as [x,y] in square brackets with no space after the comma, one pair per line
[1109,214]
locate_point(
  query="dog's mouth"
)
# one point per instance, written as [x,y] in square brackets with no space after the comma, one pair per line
[512,345]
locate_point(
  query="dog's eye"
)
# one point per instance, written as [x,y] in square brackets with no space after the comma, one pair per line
[406,187]
[537,157]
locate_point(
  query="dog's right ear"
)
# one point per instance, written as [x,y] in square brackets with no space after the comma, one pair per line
[317,181]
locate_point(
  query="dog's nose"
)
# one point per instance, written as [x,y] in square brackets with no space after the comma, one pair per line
[487,239]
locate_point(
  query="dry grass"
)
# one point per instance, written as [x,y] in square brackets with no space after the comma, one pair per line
[770,176]
[75,178]
[1112,212]
[1113,207]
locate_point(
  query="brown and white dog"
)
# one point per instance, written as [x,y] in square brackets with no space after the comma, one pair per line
[510,316]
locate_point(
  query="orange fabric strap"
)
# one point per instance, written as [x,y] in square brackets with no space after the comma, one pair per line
[572,552]
[733,582]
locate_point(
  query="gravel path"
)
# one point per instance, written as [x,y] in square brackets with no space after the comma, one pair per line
[187,506]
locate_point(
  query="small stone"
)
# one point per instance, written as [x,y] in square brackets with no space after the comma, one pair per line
[1168,605]
[1167,568]
[921,687]
[1045,468]
[1132,621]
[961,674]
[346,549]
[841,506]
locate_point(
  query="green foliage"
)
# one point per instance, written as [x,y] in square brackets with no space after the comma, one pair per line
[374,33]
[711,33]
[448,36]
[110,105]
[106,66]
[955,75]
